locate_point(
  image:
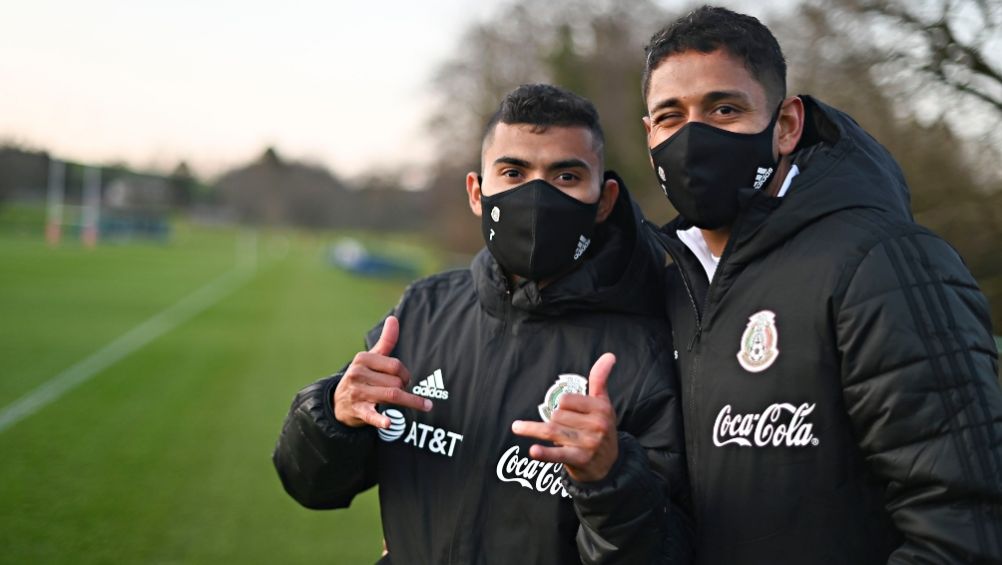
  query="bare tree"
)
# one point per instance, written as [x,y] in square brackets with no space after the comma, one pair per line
[949,40]
[941,58]
[954,179]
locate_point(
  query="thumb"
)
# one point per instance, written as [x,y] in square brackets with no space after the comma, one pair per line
[599,376]
[387,339]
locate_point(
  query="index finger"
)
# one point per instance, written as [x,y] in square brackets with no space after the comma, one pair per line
[536,430]
[397,397]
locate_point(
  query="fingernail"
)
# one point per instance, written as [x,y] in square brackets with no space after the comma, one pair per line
[427,405]
[516,425]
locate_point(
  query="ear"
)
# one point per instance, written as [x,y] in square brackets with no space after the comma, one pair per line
[607,201]
[789,125]
[474,193]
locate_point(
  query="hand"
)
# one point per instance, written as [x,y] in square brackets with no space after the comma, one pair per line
[583,429]
[375,378]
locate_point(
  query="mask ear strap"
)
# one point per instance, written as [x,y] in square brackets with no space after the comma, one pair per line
[480,181]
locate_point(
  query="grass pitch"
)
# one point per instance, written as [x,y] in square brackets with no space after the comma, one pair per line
[164,457]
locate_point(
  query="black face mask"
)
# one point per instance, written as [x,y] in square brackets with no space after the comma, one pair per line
[536,231]
[700,168]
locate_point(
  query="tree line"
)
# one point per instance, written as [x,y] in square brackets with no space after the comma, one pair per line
[918,75]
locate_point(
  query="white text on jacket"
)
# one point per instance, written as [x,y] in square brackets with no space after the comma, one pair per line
[420,435]
[771,427]
[530,473]
[436,442]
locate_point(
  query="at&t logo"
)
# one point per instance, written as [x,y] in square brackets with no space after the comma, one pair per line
[421,436]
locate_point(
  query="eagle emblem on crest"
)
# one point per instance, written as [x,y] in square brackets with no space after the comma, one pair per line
[759,342]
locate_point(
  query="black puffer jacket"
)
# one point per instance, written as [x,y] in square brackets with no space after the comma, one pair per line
[455,485]
[838,374]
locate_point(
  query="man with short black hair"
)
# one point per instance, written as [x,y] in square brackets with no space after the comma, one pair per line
[838,370]
[443,411]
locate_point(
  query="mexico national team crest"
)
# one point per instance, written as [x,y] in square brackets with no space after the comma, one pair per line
[759,342]
[566,384]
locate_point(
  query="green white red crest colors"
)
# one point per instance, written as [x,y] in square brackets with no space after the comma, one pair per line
[566,383]
[759,342]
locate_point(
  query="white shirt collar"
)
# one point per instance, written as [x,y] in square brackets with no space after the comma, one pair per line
[693,237]
[794,171]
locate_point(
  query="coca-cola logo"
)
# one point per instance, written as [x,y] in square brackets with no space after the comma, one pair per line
[780,424]
[531,474]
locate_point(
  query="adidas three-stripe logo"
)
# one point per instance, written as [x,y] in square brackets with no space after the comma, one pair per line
[432,386]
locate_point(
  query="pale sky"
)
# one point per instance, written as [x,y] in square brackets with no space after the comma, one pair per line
[341,83]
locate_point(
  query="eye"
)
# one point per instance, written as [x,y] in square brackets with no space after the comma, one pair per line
[665,117]
[725,110]
[567,177]
[511,173]
[669,120]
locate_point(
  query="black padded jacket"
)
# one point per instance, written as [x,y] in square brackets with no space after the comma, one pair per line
[455,485]
[839,374]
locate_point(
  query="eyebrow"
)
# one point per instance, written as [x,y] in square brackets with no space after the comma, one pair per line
[713,96]
[567,164]
[511,161]
[556,165]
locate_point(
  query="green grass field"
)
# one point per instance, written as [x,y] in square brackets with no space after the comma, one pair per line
[164,457]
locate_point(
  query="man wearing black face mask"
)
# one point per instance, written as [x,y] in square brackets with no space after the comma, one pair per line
[837,363]
[498,449]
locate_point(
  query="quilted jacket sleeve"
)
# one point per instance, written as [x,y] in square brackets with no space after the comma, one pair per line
[919,380]
[321,462]
[634,515]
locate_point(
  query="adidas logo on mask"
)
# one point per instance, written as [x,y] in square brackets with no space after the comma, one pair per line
[583,244]
[761,176]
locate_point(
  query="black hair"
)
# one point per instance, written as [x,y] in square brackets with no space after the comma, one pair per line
[709,28]
[544,105]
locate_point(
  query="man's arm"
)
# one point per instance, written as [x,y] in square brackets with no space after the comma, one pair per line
[321,462]
[618,482]
[628,517]
[326,451]
[919,382]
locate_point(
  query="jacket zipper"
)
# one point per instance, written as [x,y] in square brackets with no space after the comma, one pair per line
[697,358]
[692,439]
[477,422]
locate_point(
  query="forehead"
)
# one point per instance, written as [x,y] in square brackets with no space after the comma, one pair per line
[540,147]
[690,75]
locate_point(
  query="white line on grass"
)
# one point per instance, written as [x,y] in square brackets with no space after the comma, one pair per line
[161,323]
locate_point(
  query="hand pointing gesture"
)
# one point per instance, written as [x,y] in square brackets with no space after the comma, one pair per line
[583,428]
[375,378]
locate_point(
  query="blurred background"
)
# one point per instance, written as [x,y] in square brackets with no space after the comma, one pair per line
[204,206]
